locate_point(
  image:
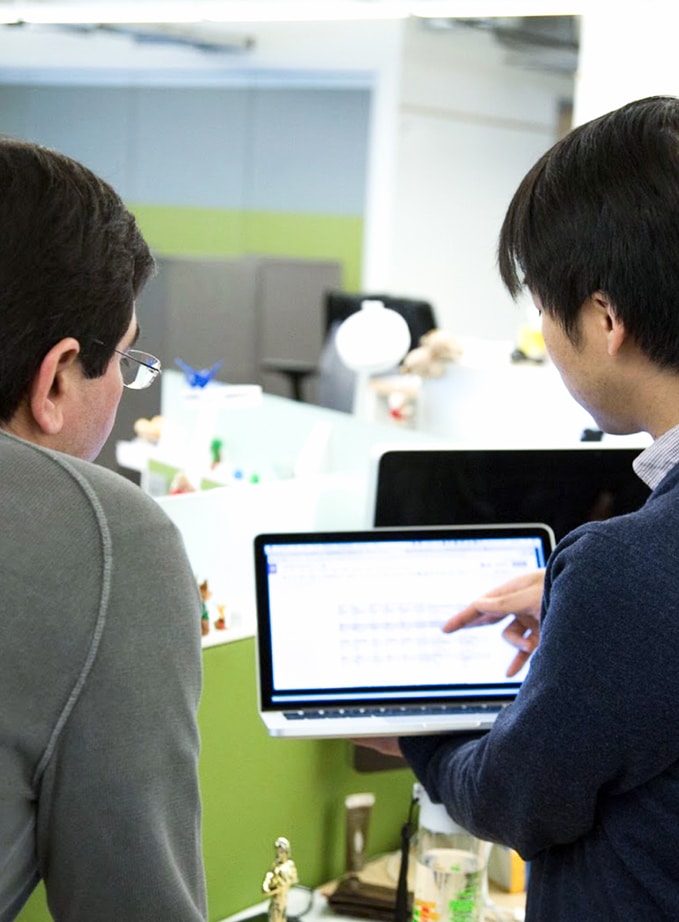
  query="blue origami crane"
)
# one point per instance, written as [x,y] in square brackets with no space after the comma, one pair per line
[198,377]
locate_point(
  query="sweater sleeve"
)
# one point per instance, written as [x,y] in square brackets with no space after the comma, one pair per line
[583,725]
[118,826]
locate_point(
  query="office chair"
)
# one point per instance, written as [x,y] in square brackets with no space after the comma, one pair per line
[418,314]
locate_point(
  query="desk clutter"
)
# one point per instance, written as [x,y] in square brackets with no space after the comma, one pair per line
[386,890]
[441,874]
[374,895]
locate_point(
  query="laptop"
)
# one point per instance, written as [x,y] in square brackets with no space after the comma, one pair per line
[349,638]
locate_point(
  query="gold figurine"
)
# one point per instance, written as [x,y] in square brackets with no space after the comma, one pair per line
[278,880]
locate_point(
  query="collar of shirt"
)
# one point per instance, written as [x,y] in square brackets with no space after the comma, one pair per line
[659,458]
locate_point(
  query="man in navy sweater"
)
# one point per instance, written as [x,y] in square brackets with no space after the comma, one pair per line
[581,773]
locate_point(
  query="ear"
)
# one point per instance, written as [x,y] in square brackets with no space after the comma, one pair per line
[52,385]
[610,323]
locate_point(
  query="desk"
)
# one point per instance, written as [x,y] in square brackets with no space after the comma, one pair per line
[504,907]
[501,906]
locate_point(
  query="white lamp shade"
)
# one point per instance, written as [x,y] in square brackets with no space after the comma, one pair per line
[373,339]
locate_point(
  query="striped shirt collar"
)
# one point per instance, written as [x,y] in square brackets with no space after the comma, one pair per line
[658,459]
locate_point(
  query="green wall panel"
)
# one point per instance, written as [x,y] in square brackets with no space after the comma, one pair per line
[256,788]
[220,232]
[191,231]
[310,236]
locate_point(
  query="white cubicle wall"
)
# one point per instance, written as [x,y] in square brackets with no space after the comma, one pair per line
[314,467]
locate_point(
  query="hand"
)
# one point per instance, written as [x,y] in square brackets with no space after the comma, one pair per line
[521,597]
[387,745]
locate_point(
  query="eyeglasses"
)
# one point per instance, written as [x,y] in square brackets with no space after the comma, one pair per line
[138,369]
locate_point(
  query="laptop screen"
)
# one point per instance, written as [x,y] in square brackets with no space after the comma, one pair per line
[356,617]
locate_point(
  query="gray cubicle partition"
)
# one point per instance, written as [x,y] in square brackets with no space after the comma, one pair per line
[242,312]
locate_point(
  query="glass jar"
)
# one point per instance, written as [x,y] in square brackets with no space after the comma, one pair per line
[450,870]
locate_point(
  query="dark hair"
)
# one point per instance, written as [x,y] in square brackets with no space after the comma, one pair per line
[72,262]
[600,212]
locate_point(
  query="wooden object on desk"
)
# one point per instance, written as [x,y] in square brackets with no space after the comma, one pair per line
[371,893]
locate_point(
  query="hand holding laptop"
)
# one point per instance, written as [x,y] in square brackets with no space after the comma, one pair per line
[520,597]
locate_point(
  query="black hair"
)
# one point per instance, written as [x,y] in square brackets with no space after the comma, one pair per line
[72,262]
[599,212]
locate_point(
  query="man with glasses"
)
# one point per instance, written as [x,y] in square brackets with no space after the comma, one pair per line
[100,667]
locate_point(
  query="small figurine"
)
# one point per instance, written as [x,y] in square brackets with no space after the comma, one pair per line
[205,595]
[198,377]
[530,347]
[400,406]
[149,430]
[428,359]
[279,879]
[181,484]
[220,623]
[216,446]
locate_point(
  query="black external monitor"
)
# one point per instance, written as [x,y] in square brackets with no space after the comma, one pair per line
[562,487]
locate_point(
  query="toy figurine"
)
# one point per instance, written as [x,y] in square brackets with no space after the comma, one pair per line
[429,358]
[279,879]
[198,377]
[220,623]
[149,430]
[205,595]
[181,484]
[216,446]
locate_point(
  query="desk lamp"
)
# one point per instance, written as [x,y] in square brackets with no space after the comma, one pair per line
[371,341]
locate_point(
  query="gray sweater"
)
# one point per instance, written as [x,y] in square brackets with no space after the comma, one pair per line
[581,773]
[100,677]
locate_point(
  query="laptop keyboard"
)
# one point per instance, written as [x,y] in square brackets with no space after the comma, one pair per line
[408,710]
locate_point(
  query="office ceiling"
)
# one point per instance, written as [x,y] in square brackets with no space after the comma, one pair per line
[219,28]
[267,10]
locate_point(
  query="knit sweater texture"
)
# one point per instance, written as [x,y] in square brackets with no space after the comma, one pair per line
[100,677]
